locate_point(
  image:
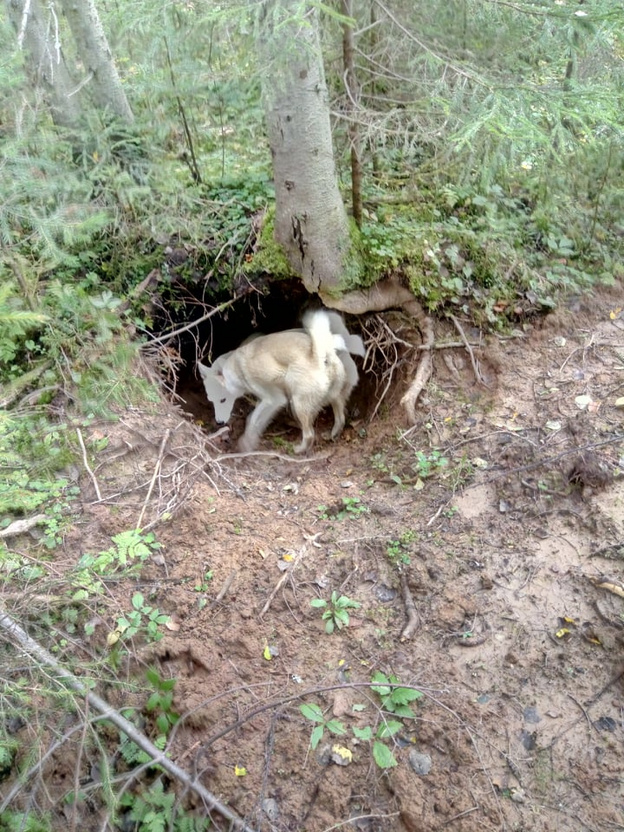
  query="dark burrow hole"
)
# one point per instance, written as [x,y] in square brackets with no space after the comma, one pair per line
[281,306]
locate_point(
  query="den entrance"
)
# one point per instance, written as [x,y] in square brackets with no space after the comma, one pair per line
[280,306]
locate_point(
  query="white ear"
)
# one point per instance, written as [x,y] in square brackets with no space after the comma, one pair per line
[355,345]
[219,395]
[351,369]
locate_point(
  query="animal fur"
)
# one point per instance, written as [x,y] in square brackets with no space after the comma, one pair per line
[305,368]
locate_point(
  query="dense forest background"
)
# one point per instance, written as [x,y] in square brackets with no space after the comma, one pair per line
[478,148]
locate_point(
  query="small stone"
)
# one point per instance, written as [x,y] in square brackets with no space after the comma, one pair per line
[384,593]
[341,756]
[531,715]
[421,763]
[323,754]
[270,808]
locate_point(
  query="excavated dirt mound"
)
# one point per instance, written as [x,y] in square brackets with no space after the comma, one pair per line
[485,548]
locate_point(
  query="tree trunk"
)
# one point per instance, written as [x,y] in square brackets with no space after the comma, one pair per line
[47,63]
[351,106]
[311,222]
[104,82]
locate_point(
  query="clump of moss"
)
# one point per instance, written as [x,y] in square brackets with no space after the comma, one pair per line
[269,257]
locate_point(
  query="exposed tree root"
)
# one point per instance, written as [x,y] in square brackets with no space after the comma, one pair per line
[34,649]
[390,294]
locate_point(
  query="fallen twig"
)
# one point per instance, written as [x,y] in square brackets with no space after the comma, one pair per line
[287,574]
[193,324]
[21,526]
[274,454]
[159,758]
[446,345]
[161,453]
[87,466]
[225,588]
[410,609]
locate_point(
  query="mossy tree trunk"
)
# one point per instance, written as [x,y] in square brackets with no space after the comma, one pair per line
[311,222]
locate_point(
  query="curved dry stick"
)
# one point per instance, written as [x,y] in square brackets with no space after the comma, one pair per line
[33,648]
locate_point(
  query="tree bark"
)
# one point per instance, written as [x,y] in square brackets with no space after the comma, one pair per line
[311,222]
[352,101]
[47,64]
[92,45]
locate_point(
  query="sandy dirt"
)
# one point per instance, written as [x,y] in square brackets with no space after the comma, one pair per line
[489,530]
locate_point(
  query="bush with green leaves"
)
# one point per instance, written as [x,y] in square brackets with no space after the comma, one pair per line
[335,611]
[33,456]
[142,619]
[395,700]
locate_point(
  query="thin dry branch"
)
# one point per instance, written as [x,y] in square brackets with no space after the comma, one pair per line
[68,680]
[88,468]
[212,313]
[287,574]
[157,467]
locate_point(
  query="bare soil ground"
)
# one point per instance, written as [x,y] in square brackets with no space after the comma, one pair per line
[500,545]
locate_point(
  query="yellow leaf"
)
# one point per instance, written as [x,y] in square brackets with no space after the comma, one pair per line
[113,638]
[240,771]
[342,752]
[341,662]
[267,653]
[288,558]
[615,312]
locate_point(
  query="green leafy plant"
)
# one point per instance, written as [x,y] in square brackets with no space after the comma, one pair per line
[160,702]
[33,453]
[382,755]
[15,323]
[131,549]
[335,610]
[394,698]
[398,550]
[351,507]
[426,465]
[25,822]
[313,712]
[142,618]
[204,584]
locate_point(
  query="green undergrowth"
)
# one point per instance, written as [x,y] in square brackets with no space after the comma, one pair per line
[497,253]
